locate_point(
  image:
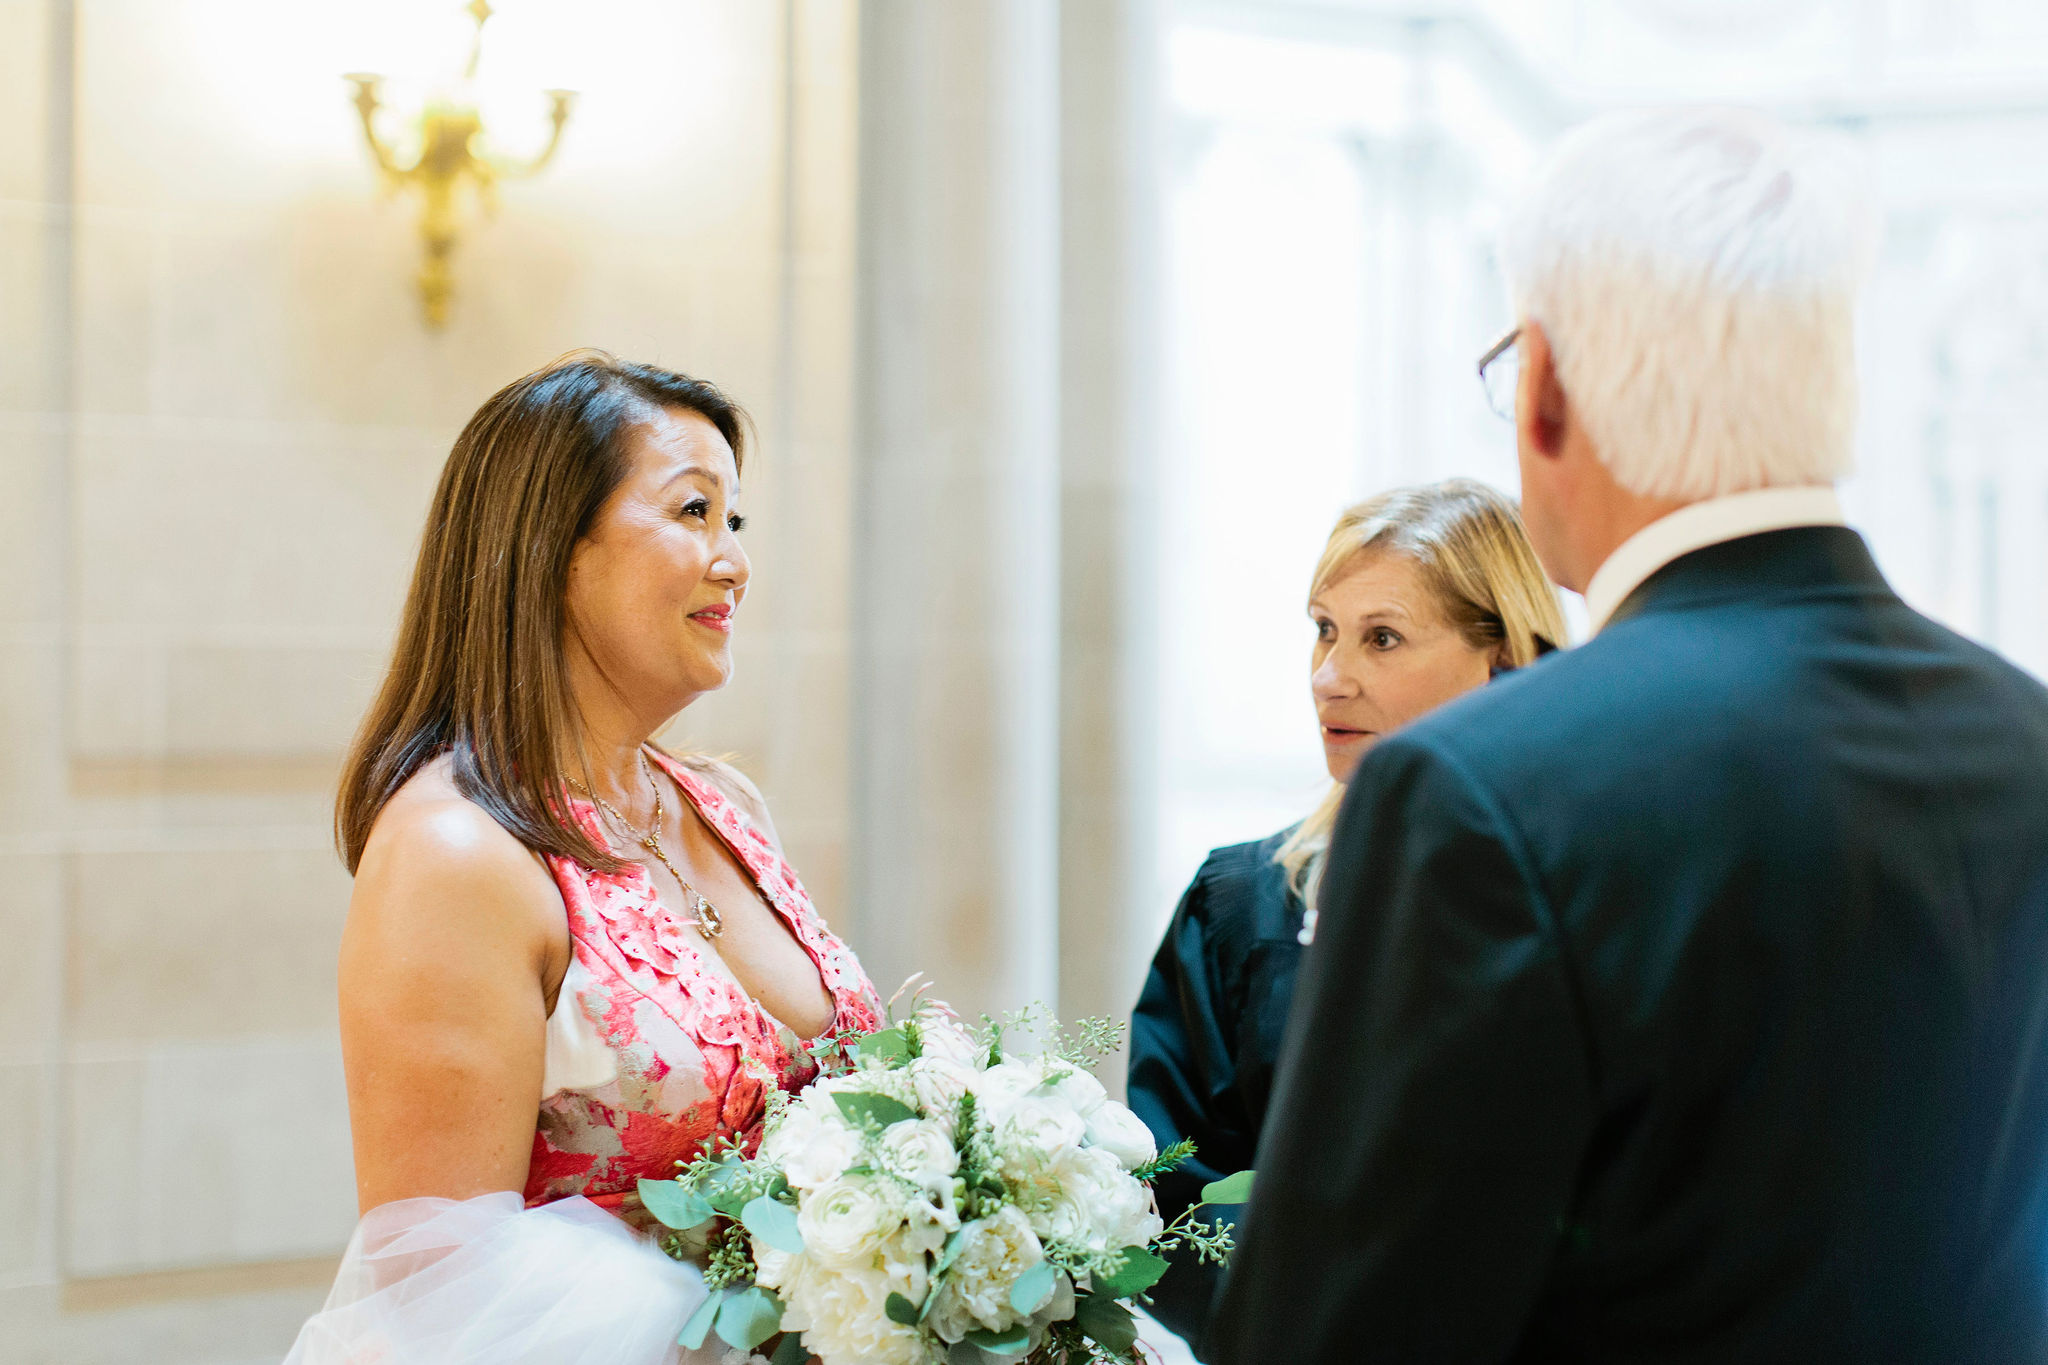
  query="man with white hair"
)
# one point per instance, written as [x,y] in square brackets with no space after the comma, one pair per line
[1683,997]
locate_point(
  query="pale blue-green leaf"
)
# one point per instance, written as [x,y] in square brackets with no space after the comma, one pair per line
[1108,1323]
[675,1206]
[889,1045]
[1231,1189]
[1014,1341]
[699,1325]
[728,1201]
[774,1222]
[1137,1272]
[1033,1288]
[952,1247]
[877,1109]
[748,1318]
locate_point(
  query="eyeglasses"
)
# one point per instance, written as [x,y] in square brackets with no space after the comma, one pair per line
[1499,371]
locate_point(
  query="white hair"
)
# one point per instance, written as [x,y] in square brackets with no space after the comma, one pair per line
[1695,271]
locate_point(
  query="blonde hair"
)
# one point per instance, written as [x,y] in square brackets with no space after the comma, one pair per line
[1467,539]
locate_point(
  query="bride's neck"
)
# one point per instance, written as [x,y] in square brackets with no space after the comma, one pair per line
[604,752]
[612,765]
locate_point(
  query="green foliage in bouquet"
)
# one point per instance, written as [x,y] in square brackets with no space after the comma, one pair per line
[972,1202]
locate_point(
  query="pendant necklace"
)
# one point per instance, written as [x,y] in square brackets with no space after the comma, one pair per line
[710,924]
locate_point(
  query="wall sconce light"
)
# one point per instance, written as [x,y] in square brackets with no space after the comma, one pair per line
[451,136]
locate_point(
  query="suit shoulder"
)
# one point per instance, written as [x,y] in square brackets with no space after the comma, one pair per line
[1541,707]
[2008,677]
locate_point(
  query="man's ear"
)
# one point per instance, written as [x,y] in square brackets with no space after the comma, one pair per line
[1541,408]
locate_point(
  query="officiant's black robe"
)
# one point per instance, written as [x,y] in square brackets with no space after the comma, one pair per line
[1693,1006]
[1205,1039]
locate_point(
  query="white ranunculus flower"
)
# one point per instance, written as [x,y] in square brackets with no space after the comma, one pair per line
[781,1270]
[939,1083]
[1056,1216]
[811,1145]
[845,1223]
[999,1089]
[943,1035]
[1039,1127]
[1077,1088]
[920,1151]
[1098,1204]
[976,1291]
[1116,1130]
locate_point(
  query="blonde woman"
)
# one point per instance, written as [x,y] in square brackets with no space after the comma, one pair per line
[1421,595]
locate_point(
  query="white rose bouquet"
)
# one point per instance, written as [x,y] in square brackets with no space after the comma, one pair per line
[938,1199]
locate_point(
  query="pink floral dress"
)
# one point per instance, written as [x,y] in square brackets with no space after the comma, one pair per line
[652,1051]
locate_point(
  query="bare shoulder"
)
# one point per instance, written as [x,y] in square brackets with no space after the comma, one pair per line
[438,868]
[737,786]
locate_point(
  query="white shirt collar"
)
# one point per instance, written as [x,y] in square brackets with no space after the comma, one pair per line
[1697,526]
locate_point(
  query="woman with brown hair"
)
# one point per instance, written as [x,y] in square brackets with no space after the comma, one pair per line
[572,959]
[1421,595]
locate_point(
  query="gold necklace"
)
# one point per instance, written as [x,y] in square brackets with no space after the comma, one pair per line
[710,924]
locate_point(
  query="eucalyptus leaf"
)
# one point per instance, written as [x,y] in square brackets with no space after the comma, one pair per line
[1013,1341]
[748,1318]
[1231,1189]
[774,1222]
[902,1310]
[1137,1272]
[728,1201]
[951,1250]
[1033,1288]
[1108,1323]
[790,1350]
[675,1206]
[732,1166]
[699,1325]
[888,1045]
[877,1109]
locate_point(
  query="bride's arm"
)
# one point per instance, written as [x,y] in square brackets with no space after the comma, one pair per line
[455,936]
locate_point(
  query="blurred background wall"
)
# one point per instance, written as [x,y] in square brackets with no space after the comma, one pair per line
[1069,326]
[224,415]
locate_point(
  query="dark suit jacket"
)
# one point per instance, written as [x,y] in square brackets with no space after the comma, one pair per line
[1691,1007]
[1205,1042]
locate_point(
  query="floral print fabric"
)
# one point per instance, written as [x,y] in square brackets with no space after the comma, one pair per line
[695,1054]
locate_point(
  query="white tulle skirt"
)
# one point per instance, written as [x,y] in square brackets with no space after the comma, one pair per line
[1162,1346]
[486,1281]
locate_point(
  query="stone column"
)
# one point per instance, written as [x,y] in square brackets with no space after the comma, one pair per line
[1110,364]
[957,503]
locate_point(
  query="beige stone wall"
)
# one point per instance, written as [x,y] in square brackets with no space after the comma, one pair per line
[220,417]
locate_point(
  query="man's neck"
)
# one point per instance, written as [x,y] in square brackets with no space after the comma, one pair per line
[1617,518]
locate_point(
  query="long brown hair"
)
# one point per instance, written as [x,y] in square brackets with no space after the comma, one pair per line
[477,671]
[1468,540]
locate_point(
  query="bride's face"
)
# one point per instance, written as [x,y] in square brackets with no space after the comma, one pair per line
[1385,653]
[655,586]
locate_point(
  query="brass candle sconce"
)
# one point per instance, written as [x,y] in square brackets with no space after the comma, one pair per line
[450,162]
